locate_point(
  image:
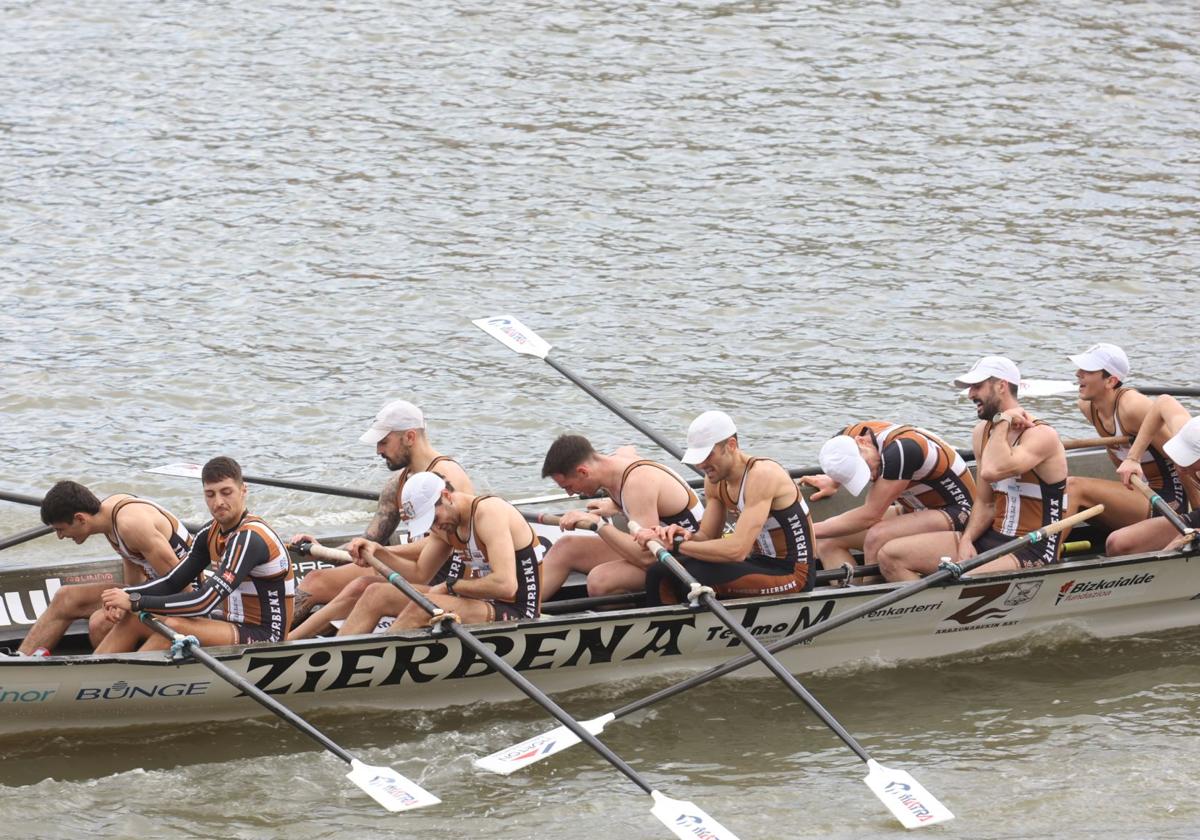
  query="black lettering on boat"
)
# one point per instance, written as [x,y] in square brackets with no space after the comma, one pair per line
[502,645]
[982,596]
[276,666]
[533,649]
[319,660]
[804,619]
[407,664]
[591,642]
[350,668]
[670,628]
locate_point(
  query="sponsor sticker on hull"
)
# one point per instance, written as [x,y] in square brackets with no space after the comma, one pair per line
[989,605]
[1109,588]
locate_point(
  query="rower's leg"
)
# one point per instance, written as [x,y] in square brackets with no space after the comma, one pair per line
[378,600]
[615,577]
[469,610]
[904,525]
[208,631]
[834,552]
[1147,535]
[1122,505]
[99,626]
[125,636]
[68,604]
[339,607]
[909,558]
[572,553]
[323,585]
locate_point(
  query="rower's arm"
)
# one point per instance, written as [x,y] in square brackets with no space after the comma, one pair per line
[1165,411]
[880,497]
[983,507]
[1001,460]
[641,498]
[761,490]
[245,550]
[185,572]
[410,560]
[387,515]
[140,532]
[495,533]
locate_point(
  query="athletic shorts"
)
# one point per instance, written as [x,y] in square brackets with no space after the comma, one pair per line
[958,515]
[756,575]
[1171,491]
[1192,519]
[1030,555]
[248,634]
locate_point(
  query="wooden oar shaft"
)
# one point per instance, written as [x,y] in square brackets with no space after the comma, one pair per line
[1159,504]
[1089,443]
[871,606]
[508,672]
[25,536]
[249,689]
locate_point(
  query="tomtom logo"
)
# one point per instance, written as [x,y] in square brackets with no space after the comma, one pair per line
[124,691]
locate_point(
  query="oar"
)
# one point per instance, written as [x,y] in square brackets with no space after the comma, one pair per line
[25,536]
[547,744]
[1162,507]
[383,784]
[917,808]
[516,336]
[685,820]
[1054,387]
[36,501]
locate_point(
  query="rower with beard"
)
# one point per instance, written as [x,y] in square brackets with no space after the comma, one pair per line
[1022,484]
[400,438]
[495,560]
[1114,409]
[771,548]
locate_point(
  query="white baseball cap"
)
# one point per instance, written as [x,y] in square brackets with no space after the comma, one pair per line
[396,416]
[418,499]
[1107,357]
[706,431]
[841,461]
[987,368]
[1184,448]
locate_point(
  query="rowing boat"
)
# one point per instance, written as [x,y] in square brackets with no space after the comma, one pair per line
[1104,597]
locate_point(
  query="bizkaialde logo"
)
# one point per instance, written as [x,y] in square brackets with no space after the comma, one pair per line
[1084,590]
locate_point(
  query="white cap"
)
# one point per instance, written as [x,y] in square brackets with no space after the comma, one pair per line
[418,499]
[987,368]
[396,416]
[1107,357]
[841,461]
[706,431]
[1184,448]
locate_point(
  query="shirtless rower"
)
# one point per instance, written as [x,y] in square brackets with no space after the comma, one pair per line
[495,573]
[919,484]
[643,490]
[400,438]
[1114,409]
[249,591]
[1183,450]
[149,539]
[1022,485]
[771,548]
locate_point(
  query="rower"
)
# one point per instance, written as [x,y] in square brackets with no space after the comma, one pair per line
[919,484]
[770,550]
[149,539]
[495,573]
[642,490]
[1022,471]
[249,591]
[1183,449]
[399,436]
[1116,410]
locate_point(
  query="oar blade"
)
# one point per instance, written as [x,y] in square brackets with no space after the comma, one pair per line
[533,750]
[177,470]
[514,335]
[686,820]
[1046,387]
[905,797]
[389,788]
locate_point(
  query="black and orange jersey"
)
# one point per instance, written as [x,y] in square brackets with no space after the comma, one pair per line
[471,560]
[1025,502]
[180,539]
[252,583]
[1161,473]
[937,474]
[787,533]
[691,514]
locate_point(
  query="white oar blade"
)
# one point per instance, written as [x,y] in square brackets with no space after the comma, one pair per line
[177,470]
[905,797]
[1041,388]
[538,747]
[514,335]
[687,821]
[389,788]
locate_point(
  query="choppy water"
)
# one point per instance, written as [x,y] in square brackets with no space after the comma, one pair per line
[239,228]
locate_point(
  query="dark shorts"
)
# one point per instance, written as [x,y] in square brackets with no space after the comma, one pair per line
[528,603]
[958,516]
[248,634]
[1029,555]
[756,575]
[1192,519]
[1171,492]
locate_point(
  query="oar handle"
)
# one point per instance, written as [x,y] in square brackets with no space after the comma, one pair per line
[1159,504]
[323,552]
[1089,443]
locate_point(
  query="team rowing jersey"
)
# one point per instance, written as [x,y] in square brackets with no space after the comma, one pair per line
[1025,502]
[1161,472]
[938,476]
[471,556]
[180,539]
[787,533]
[252,584]
[406,474]
[692,512]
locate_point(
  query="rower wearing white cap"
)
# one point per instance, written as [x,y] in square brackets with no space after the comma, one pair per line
[399,436]
[1183,449]
[495,572]
[1114,409]
[771,548]
[919,484]
[1022,471]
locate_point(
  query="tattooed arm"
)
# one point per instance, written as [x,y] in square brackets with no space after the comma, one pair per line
[387,516]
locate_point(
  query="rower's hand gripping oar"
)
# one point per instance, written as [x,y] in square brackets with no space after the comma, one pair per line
[383,784]
[904,796]
[684,819]
[945,572]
